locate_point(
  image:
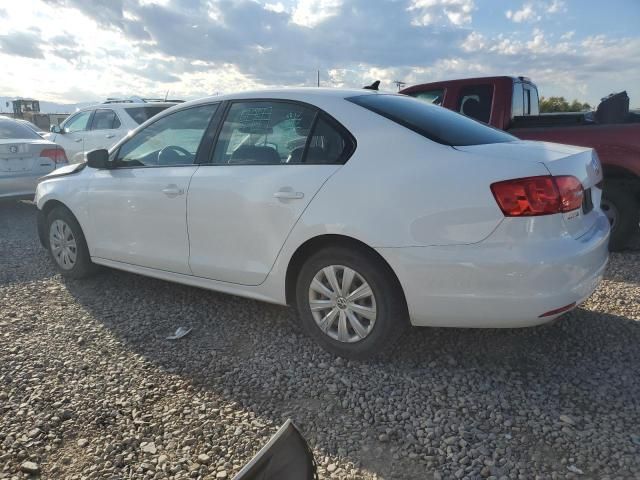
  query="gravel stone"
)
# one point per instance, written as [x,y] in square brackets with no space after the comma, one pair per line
[88,360]
[30,467]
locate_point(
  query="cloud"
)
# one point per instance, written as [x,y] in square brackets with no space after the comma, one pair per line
[428,12]
[525,14]
[22,44]
[533,11]
[310,13]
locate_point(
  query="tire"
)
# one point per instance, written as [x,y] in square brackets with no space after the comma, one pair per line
[619,204]
[61,223]
[375,333]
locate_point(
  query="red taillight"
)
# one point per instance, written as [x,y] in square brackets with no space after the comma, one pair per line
[55,154]
[531,196]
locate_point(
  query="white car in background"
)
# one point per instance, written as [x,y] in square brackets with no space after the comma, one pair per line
[366,210]
[24,158]
[103,125]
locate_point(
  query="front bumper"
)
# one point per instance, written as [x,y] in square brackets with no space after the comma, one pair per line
[500,283]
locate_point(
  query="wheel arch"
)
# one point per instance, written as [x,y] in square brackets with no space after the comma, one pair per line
[43,213]
[315,244]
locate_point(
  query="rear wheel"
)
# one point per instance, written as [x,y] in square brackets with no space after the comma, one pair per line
[621,208]
[350,303]
[67,245]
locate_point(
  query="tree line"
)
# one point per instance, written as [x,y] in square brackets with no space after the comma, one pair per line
[560,104]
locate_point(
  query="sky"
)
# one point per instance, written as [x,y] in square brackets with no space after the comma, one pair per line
[71,51]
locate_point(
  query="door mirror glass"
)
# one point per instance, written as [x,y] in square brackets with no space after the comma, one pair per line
[98,159]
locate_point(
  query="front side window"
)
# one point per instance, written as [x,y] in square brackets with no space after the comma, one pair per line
[430,96]
[105,119]
[433,122]
[264,133]
[78,122]
[475,102]
[170,141]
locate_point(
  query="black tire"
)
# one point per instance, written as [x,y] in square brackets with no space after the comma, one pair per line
[83,266]
[391,319]
[619,198]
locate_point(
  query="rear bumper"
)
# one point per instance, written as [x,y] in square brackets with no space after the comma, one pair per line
[498,284]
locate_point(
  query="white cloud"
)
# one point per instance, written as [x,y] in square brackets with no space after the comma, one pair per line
[556,6]
[310,13]
[525,14]
[475,41]
[568,35]
[427,12]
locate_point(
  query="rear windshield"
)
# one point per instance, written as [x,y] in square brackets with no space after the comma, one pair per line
[10,129]
[142,114]
[435,123]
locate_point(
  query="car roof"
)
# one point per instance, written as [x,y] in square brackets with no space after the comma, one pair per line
[128,105]
[288,93]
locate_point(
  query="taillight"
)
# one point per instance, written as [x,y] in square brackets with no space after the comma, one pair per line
[544,195]
[55,154]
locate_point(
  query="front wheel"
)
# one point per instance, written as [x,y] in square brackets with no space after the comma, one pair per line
[67,245]
[350,303]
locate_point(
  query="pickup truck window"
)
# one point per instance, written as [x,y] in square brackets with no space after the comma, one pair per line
[430,96]
[475,102]
[531,106]
[433,122]
[517,103]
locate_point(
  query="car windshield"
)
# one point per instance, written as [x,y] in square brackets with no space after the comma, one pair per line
[10,129]
[142,114]
[433,122]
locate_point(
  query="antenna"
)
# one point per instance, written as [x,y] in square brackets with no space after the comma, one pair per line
[318,78]
[399,84]
[166,95]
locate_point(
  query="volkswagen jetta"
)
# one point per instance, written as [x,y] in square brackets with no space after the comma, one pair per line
[368,211]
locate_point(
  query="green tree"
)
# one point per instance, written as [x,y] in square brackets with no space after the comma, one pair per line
[559,104]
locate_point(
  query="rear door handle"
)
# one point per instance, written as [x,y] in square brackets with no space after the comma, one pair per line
[78,140]
[288,195]
[172,190]
[111,135]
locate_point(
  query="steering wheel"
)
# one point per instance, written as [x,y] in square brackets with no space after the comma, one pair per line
[181,152]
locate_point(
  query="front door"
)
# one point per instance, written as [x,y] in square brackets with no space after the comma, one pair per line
[138,208]
[270,160]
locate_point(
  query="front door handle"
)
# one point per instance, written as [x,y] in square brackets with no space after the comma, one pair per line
[111,135]
[288,195]
[78,140]
[172,190]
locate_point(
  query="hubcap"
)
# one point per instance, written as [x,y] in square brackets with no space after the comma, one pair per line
[610,211]
[63,244]
[342,304]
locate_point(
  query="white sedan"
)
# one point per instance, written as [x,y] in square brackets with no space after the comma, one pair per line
[368,211]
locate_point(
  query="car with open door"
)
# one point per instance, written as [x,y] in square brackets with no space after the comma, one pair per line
[368,211]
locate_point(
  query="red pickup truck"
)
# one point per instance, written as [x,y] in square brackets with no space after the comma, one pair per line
[511,103]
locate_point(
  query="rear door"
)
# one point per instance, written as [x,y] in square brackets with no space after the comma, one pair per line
[270,159]
[72,136]
[104,131]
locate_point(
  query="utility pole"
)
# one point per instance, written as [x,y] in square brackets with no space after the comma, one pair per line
[318,78]
[399,84]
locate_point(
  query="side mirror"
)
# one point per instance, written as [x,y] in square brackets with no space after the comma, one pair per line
[55,129]
[98,159]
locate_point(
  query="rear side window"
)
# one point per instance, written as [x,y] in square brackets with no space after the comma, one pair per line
[429,96]
[10,130]
[475,102]
[517,105]
[142,114]
[433,122]
[105,119]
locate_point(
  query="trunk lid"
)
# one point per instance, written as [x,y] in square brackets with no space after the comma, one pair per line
[580,162]
[22,155]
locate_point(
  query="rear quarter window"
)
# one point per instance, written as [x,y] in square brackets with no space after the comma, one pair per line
[433,122]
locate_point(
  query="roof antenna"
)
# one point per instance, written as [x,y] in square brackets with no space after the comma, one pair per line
[373,86]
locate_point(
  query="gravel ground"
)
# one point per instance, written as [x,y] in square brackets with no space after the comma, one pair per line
[90,387]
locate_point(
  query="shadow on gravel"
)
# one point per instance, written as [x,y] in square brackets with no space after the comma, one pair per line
[585,364]
[17,231]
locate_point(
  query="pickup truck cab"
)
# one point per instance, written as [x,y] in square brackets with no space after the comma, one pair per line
[511,104]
